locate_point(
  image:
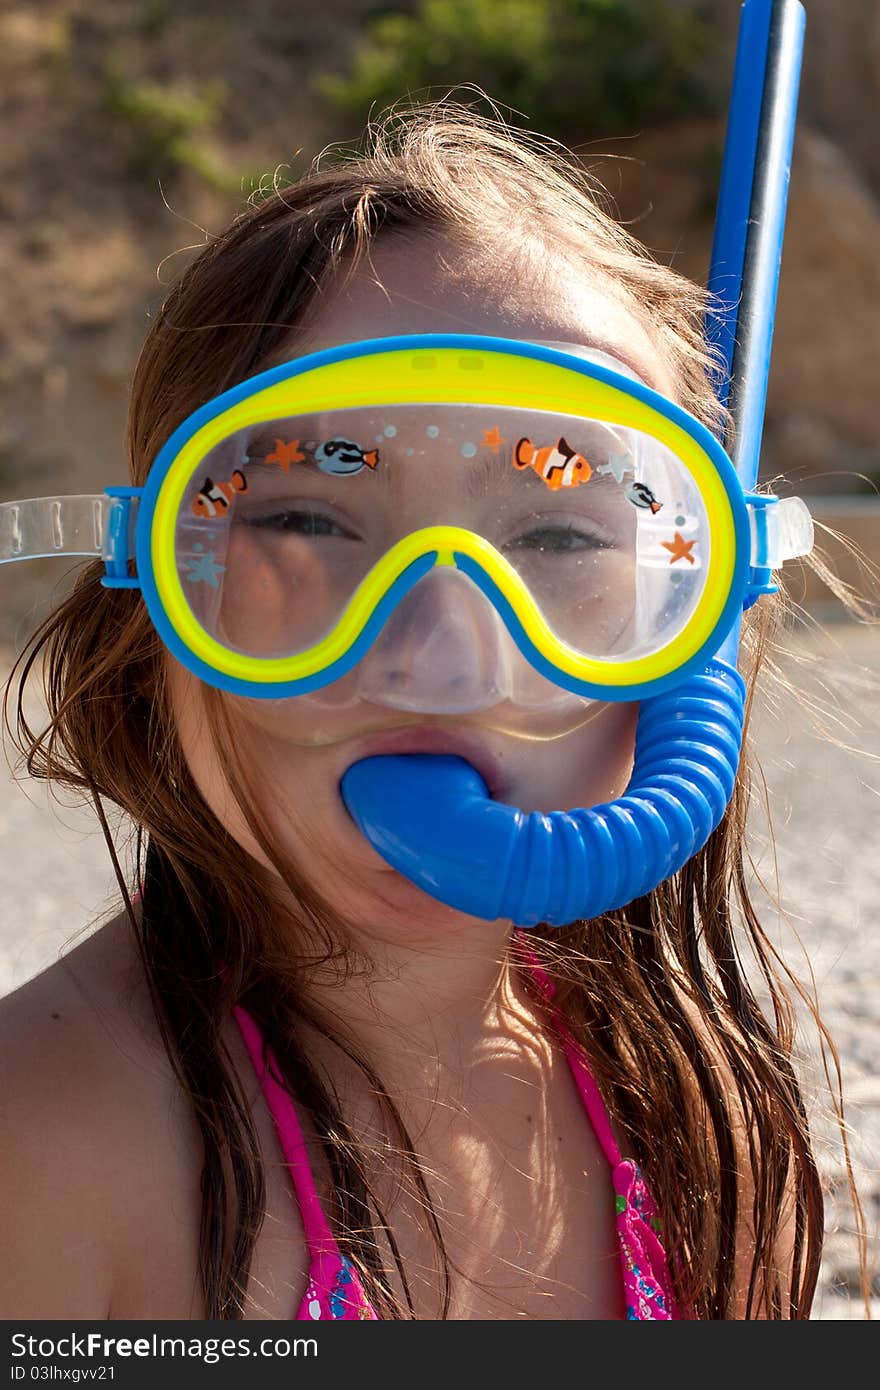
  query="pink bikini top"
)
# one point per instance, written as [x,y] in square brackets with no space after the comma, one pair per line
[334,1289]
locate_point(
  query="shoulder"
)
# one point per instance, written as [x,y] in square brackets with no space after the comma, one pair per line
[88,1104]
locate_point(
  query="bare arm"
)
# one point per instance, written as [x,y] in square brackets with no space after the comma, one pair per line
[55,1260]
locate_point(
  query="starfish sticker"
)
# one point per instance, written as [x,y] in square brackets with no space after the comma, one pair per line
[679,548]
[204,568]
[617,465]
[493,439]
[286,454]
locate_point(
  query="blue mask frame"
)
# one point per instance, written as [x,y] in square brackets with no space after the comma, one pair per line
[431,816]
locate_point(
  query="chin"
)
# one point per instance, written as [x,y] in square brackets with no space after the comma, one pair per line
[372,896]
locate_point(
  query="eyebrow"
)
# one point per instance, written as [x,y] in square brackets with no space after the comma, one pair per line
[485,470]
[479,474]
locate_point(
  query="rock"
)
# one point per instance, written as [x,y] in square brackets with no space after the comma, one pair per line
[840,83]
[821,404]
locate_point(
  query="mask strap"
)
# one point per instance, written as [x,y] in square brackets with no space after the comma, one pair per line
[99,525]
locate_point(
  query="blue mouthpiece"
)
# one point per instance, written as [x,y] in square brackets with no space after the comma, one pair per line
[431,817]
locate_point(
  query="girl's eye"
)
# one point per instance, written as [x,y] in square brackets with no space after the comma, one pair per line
[300,522]
[559,540]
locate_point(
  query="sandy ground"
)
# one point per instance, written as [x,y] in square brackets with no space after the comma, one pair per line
[822,789]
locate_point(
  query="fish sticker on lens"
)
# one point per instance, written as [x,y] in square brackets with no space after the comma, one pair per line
[213,499]
[558,465]
[339,457]
[641,496]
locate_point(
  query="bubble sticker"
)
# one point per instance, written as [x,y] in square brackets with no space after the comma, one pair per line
[558,465]
[390,431]
[340,457]
[468,450]
[213,499]
[432,431]
[492,439]
[203,568]
[641,496]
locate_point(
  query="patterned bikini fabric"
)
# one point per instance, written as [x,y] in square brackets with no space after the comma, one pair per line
[335,1292]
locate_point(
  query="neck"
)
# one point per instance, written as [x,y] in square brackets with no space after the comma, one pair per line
[429,1009]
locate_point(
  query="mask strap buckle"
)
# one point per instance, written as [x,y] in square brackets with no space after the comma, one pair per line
[781,529]
[119,537]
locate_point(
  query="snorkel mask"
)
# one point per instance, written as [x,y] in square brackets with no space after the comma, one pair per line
[472,528]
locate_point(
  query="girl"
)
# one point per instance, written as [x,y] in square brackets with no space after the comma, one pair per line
[285,1081]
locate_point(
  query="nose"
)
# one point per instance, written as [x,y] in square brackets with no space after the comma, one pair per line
[442,650]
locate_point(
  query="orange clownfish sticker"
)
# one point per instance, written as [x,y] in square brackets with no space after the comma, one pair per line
[558,464]
[214,498]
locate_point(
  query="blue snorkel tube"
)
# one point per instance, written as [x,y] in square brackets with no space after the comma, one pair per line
[431,816]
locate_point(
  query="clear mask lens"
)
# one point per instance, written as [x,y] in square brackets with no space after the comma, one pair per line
[603,527]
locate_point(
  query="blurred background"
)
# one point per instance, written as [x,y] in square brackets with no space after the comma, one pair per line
[134,129]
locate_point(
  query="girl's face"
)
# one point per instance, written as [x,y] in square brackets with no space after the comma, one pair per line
[299,750]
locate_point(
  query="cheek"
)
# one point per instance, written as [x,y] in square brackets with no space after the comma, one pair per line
[258,614]
[297,788]
[198,745]
[591,765]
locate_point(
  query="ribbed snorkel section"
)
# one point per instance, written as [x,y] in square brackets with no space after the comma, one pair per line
[432,819]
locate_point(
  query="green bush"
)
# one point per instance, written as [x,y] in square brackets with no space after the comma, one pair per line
[158,126]
[572,68]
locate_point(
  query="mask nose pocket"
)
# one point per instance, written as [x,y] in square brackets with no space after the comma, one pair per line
[443,650]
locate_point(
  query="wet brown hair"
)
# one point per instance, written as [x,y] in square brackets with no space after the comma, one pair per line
[699,1077]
